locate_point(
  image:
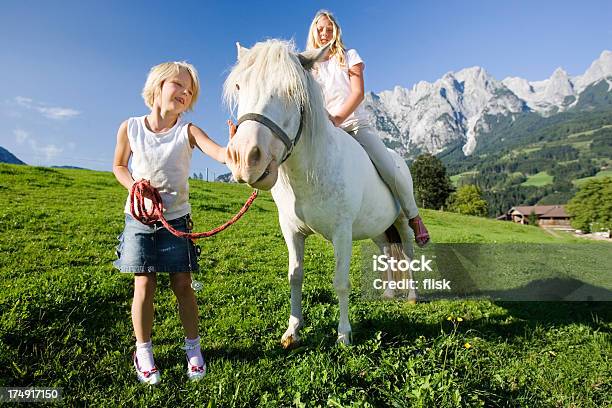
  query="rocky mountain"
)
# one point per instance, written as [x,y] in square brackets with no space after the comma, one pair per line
[8,157]
[461,106]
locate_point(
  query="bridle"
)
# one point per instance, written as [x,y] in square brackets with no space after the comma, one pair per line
[276,130]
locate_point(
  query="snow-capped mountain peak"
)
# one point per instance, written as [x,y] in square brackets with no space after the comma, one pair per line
[455,108]
[599,69]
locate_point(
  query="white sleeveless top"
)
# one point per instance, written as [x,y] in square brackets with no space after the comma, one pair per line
[164,159]
[334,81]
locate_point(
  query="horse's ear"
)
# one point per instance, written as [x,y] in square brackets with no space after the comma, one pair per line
[241,50]
[308,58]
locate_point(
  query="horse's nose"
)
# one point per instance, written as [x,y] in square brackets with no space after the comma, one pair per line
[254,156]
[234,161]
[231,154]
[243,159]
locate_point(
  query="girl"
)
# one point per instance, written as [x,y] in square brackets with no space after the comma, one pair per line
[161,144]
[341,78]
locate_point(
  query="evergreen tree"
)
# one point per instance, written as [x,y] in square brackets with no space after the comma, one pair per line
[431,183]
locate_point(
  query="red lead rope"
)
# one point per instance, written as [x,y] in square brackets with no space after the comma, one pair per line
[143,188]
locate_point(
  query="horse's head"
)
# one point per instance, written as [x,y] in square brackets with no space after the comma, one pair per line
[269,87]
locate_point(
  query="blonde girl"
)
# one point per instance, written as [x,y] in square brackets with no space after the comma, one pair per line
[341,78]
[160,145]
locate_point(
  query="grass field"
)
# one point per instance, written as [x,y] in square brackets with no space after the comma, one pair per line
[588,132]
[540,179]
[455,178]
[65,315]
[583,142]
[601,174]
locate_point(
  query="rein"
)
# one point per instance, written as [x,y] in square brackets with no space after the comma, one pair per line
[143,188]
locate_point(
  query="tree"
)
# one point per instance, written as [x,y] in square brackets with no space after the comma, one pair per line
[468,200]
[431,183]
[591,207]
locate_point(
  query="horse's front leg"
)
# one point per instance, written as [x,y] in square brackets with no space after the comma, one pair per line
[295,246]
[343,245]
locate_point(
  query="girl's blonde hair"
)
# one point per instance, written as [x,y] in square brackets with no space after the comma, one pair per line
[337,48]
[160,73]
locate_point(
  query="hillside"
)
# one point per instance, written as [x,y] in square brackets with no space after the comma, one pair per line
[65,314]
[8,157]
[534,160]
[523,142]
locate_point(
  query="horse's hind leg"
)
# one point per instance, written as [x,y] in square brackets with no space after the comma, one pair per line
[382,241]
[295,245]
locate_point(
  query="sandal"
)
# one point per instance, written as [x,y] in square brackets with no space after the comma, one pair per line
[421,235]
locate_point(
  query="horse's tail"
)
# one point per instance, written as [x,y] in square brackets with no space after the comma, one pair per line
[396,250]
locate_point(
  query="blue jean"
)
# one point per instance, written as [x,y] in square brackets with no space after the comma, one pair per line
[152,248]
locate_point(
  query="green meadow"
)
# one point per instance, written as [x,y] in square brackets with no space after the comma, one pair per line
[65,315]
[540,179]
[601,174]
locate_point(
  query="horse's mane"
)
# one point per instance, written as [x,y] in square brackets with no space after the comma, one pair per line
[273,68]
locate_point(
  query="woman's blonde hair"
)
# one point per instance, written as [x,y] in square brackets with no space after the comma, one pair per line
[160,73]
[336,49]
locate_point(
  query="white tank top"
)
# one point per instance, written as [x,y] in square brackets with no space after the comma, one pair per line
[336,86]
[164,159]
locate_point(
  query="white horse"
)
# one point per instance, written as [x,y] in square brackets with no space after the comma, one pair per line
[322,183]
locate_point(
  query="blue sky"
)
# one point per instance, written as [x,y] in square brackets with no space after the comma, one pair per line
[71,71]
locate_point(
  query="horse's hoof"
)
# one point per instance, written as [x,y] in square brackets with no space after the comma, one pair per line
[290,341]
[411,301]
[345,338]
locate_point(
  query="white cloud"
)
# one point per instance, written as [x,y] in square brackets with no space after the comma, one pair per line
[23,101]
[58,113]
[47,151]
[21,135]
[50,112]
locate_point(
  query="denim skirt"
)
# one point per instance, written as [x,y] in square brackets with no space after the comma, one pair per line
[152,248]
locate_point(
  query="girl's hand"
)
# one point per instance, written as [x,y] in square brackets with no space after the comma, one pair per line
[232,128]
[146,193]
[336,120]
